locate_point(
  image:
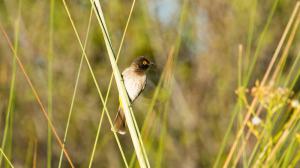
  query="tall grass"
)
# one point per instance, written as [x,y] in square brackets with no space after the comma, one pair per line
[5,156]
[263,130]
[35,93]
[75,90]
[50,82]
[95,82]
[276,129]
[6,144]
[125,103]
[110,84]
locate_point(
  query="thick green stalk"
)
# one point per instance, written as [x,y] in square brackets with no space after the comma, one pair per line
[109,86]
[137,141]
[95,82]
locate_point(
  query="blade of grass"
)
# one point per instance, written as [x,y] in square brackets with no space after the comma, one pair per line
[146,123]
[9,109]
[149,119]
[75,87]
[293,68]
[131,123]
[260,41]
[283,37]
[34,159]
[50,82]
[294,82]
[274,143]
[8,161]
[95,81]
[289,153]
[240,117]
[9,113]
[168,83]
[253,153]
[284,135]
[286,50]
[293,162]
[266,75]
[43,110]
[150,116]
[159,156]
[252,16]
[170,60]
[172,55]
[110,84]
[29,154]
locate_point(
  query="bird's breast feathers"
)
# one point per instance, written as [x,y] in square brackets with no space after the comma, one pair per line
[134,82]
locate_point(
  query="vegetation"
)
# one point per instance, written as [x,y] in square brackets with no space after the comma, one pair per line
[224,91]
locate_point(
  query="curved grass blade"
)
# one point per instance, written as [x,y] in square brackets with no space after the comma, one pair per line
[132,126]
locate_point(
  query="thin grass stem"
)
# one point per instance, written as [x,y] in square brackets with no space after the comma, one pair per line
[35,93]
[75,87]
[8,161]
[131,123]
[110,84]
[50,83]
[8,129]
[266,75]
[95,81]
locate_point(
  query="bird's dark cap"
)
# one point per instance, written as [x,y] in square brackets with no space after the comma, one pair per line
[142,63]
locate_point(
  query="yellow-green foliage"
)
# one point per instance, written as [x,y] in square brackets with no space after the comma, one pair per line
[224,91]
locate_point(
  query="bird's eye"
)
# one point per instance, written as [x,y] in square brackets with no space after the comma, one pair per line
[144,62]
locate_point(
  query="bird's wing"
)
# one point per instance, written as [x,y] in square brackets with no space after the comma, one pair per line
[123,75]
[143,88]
[134,83]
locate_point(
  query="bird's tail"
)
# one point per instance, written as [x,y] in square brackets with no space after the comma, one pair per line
[120,122]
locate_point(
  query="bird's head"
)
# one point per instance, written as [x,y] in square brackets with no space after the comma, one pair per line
[142,63]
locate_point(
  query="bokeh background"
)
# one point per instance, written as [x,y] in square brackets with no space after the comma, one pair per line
[195,102]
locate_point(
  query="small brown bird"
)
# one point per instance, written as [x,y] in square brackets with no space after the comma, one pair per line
[135,81]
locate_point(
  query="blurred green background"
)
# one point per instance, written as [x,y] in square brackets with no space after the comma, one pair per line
[200,96]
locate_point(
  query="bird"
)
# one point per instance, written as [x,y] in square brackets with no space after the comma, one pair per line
[135,80]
